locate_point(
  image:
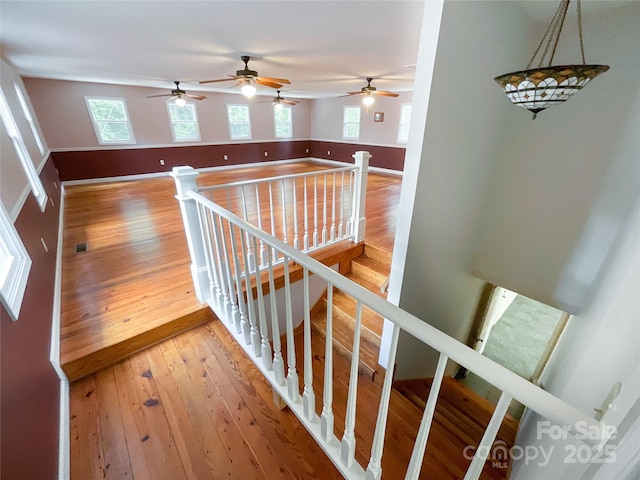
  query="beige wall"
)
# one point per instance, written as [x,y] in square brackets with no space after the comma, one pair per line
[62,110]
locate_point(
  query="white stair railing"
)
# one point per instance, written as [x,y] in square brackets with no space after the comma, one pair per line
[296,203]
[224,277]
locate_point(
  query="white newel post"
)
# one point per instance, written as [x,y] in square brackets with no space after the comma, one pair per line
[185,178]
[359,222]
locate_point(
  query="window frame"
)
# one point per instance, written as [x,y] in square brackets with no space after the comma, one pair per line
[10,126]
[345,122]
[275,122]
[22,99]
[15,265]
[96,122]
[401,123]
[172,124]
[243,137]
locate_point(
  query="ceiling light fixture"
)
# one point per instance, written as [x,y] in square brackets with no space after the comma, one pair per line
[248,90]
[181,102]
[279,106]
[368,100]
[539,88]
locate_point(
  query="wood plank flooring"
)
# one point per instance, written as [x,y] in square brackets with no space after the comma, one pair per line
[132,287]
[195,406]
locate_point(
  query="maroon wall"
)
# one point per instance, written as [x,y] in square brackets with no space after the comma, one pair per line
[29,386]
[382,157]
[78,165]
[132,161]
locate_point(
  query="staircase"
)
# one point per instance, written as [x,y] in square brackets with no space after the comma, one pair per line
[371,270]
[461,415]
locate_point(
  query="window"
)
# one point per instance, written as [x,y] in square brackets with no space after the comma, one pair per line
[405,121]
[14,266]
[239,122]
[184,121]
[110,120]
[27,114]
[282,121]
[351,123]
[18,143]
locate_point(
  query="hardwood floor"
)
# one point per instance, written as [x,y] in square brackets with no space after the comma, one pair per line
[195,406]
[132,287]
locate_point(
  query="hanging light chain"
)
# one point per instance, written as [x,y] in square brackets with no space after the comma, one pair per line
[579,8]
[551,33]
[555,45]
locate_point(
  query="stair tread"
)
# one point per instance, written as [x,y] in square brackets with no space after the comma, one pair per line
[382,256]
[346,305]
[457,401]
[363,282]
[370,269]
[343,336]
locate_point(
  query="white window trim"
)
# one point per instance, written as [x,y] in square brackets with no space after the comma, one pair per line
[231,136]
[344,122]
[27,113]
[275,130]
[95,124]
[14,266]
[195,119]
[401,123]
[23,154]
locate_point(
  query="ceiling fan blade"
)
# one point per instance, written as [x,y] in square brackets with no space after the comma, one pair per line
[231,77]
[195,97]
[163,95]
[274,80]
[290,102]
[386,94]
[354,93]
[267,83]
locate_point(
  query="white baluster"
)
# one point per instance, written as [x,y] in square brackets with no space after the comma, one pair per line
[206,241]
[341,223]
[305,241]
[292,374]
[217,268]
[250,256]
[308,397]
[272,219]
[348,446]
[326,419]
[482,452]
[239,299]
[253,327]
[332,233]
[296,240]
[315,211]
[259,208]
[228,293]
[374,469]
[324,213]
[349,198]
[284,214]
[415,464]
[264,331]
[278,362]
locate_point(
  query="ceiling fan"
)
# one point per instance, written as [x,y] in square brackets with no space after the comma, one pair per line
[369,92]
[278,100]
[246,78]
[179,95]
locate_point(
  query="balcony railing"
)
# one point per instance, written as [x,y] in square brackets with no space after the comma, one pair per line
[243,296]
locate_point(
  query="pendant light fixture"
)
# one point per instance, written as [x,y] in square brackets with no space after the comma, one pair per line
[538,88]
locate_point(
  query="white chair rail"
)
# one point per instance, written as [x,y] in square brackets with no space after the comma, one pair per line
[243,296]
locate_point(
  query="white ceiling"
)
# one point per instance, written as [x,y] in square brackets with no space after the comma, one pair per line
[325,48]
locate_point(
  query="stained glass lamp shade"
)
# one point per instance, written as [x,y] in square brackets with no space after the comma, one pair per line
[540,88]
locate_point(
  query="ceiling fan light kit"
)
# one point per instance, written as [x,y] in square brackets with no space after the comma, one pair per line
[539,88]
[178,95]
[247,79]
